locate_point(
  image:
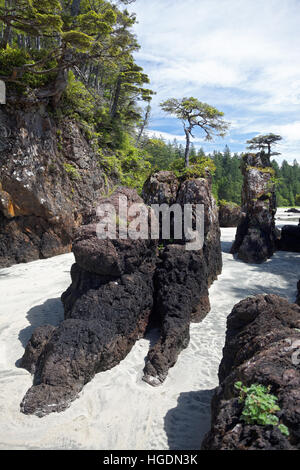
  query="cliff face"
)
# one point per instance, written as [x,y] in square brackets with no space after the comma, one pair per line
[49,179]
[256,233]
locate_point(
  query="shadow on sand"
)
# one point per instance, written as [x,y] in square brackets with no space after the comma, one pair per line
[50,312]
[187,424]
[226,246]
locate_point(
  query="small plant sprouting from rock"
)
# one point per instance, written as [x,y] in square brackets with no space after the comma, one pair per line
[72,171]
[260,406]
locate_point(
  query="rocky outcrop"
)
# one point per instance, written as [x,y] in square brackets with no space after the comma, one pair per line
[298,295]
[107,308]
[183,277]
[293,211]
[262,347]
[116,286]
[229,214]
[289,239]
[256,235]
[49,180]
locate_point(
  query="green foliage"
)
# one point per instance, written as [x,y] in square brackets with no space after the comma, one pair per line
[222,202]
[199,167]
[260,406]
[194,113]
[288,182]
[197,114]
[268,169]
[228,179]
[264,143]
[126,164]
[77,102]
[72,171]
[12,57]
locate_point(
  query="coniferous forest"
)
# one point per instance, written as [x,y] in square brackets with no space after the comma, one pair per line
[81,56]
[227,175]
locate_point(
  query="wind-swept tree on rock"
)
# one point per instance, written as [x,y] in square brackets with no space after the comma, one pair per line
[193,113]
[265,143]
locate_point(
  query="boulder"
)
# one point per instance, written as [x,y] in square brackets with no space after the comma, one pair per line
[293,211]
[262,347]
[289,239]
[256,235]
[229,214]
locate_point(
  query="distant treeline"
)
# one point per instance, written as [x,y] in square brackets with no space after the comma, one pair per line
[227,178]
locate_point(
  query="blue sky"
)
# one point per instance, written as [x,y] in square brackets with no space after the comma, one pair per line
[241,56]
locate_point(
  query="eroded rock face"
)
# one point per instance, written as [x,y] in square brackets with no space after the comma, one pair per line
[107,308]
[49,180]
[262,347]
[229,215]
[289,239]
[256,235]
[182,277]
[116,286]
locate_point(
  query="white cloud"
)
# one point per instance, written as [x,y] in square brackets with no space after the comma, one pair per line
[239,55]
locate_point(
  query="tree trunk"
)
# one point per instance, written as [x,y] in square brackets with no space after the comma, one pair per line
[187,148]
[75,7]
[116,98]
[144,124]
[6,36]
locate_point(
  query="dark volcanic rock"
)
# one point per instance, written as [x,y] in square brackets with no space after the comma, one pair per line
[293,211]
[49,180]
[262,346]
[116,286]
[256,235]
[181,297]
[160,188]
[229,214]
[183,277]
[106,310]
[290,239]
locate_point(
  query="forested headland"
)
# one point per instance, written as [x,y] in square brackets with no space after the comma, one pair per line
[79,55]
[227,175]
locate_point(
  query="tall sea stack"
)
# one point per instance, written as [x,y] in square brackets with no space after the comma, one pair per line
[256,232]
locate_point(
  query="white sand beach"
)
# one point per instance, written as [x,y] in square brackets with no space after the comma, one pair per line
[116,410]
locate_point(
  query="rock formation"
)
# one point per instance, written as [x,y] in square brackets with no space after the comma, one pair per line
[107,308]
[298,295]
[49,180]
[256,234]
[116,286]
[229,214]
[183,277]
[289,239]
[262,347]
[292,211]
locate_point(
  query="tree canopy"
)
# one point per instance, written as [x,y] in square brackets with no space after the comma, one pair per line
[264,143]
[42,40]
[193,113]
